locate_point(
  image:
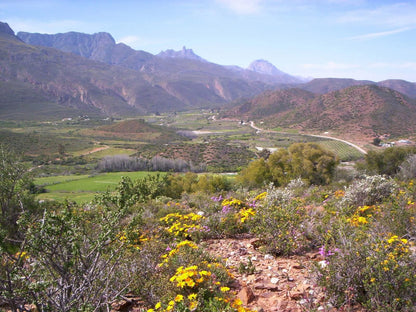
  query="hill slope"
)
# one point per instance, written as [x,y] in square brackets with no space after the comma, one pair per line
[367,111]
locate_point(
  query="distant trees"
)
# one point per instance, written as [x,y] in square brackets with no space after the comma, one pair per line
[157,163]
[386,162]
[305,160]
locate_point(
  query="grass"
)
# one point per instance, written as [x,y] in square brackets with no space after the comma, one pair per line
[82,188]
[58,179]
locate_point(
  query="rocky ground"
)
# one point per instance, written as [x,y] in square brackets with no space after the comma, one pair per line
[266,283]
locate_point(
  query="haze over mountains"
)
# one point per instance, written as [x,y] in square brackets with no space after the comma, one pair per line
[73,73]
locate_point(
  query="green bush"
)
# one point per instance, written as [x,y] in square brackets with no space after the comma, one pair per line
[386,162]
[307,161]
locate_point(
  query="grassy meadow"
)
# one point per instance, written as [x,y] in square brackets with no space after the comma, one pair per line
[82,188]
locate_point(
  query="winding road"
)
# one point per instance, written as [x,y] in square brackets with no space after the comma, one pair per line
[361,150]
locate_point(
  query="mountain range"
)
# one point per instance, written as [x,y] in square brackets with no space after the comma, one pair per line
[74,73]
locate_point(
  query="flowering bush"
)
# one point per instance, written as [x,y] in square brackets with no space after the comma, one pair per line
[370,190]
[279,221]
[369,268]
[184,225]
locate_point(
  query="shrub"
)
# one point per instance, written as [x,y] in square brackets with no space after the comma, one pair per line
[407,170]
[72,258]
[386,162]
[375,270]
[279,220]
[368,191]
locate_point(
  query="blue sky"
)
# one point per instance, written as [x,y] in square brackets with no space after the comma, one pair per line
[360,39]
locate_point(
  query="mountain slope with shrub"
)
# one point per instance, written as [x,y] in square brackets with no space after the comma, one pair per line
[365,110]
[72,81]
[186,77]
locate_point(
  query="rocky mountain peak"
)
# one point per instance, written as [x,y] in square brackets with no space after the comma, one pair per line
[184,53]
[5,29]
[74,42]
[264,67]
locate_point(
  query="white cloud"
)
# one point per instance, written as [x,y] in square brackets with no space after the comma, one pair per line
[330,66]
[394,15]
[385,65]
[380,34]
[243,7]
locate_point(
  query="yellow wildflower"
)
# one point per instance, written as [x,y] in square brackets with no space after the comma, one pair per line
[192,296]
[178,298]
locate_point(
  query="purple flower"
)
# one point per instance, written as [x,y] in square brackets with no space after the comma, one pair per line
[327,253]
[217,199]
[226,209]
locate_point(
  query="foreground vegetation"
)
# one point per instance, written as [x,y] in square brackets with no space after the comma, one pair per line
[146,237]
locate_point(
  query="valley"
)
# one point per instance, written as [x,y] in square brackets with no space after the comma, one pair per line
[134,182]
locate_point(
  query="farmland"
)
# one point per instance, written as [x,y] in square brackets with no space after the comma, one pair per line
[64,154]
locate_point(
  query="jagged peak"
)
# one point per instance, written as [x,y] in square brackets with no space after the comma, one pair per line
[184,53]
[264,67]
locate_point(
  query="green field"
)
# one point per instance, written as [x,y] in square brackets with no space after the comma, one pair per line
[344,151]
[83,188]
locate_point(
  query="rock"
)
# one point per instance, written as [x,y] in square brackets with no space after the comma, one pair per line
[121,305]
[246,295]
[296,295]
[298,266]
[269,287]
[268,257]
[274,280]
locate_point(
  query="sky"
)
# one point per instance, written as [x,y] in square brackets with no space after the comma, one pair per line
[360,39]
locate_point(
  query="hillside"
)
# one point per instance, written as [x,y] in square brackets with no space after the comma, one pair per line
[68,83]
[68,80]
[186,77]
[135,129]
[365,111]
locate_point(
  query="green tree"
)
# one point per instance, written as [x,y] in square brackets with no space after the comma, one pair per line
[255,175]
[387,161]
[305,160]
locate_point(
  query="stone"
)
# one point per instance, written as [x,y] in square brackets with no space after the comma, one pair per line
[296,295]
[298,266]
[246,295]
[269,287]
[274,280]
